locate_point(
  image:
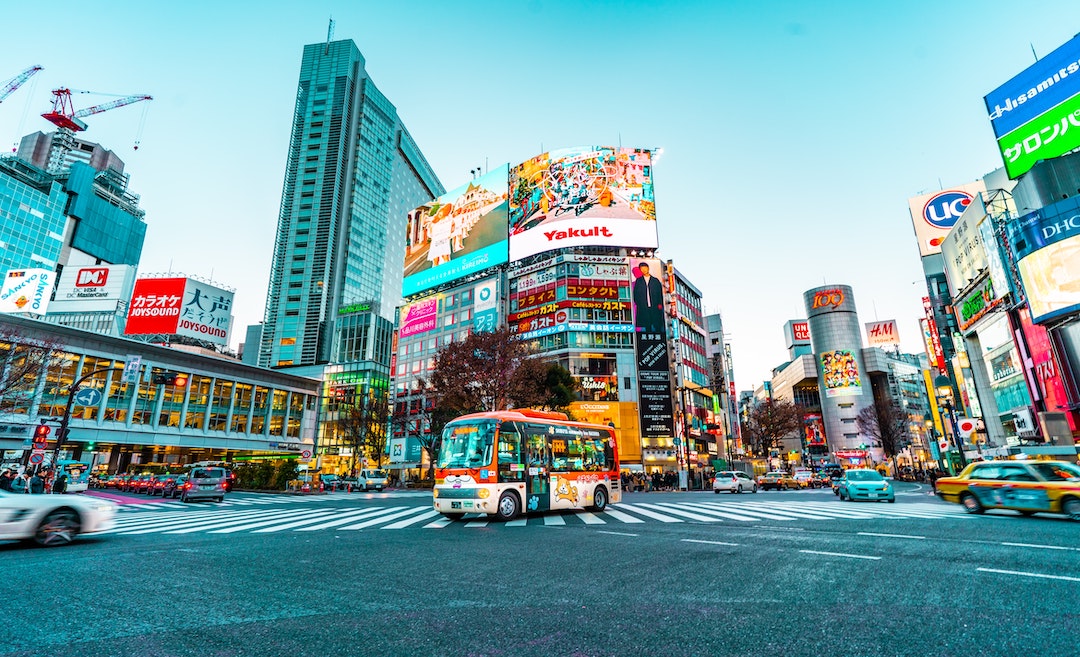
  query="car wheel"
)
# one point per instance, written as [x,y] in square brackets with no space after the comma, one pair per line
[599,499]
[716,490]
[60,527]
[754,489]
[1026,513]
[971,505]
[509,506]
[892,500]
[1071,508]
[738,489]
[183,498]
[843,496]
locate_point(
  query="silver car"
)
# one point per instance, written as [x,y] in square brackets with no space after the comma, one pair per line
[733,481]
[205,484]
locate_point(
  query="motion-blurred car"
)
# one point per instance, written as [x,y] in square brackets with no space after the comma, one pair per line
[805,479]
[52,520]
[173,486]
[733,481]
[860,484]
[1026,486]
[777,481]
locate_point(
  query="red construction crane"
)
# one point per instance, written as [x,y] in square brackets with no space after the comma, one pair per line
[65,116]
[16,82]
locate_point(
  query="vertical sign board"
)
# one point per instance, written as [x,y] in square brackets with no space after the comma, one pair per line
[485,306]
[657,417]
[938,354]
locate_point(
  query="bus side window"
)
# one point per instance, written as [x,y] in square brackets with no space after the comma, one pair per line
[560,455]
[538,454]
[509,443]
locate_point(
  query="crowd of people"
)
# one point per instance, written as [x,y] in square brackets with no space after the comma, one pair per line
[668,480]
[39,482]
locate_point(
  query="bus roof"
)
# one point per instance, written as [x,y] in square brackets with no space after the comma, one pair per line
[525,414]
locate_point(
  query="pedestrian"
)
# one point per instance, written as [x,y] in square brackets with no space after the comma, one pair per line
[5,480]
[37,484]
[60,485]
[20,484]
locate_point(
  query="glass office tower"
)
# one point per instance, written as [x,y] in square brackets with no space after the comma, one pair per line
[353,173]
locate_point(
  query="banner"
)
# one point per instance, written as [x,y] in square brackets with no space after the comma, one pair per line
[840,373]
[27,291]
[419,317]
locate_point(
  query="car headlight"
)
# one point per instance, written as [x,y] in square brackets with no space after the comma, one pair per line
[483,493]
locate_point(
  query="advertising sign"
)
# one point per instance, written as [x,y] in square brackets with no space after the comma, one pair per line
[656,416]
[962,248]
[1046,244]
[840,373]
[647,293]
[882,334]
[797,332]
[180,306]
[1036,115]
[461,232]
[1041,364]
[405,451]
[976,304]
[91,289]
[419,317]
[933,215]
[27,291]
[591,196]
[814,429]
[828,299]
[485,306]
[937,355]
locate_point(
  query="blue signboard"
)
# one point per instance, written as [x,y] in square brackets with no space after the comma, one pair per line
[1046,244]
[1041,86]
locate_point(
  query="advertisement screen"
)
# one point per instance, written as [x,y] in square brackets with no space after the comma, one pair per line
[933,215]
[599,196]
[27,291]
[461,232]
[1047,249]
[655,409]
[1036,115]
[840,373]
[647,293]
[419,317]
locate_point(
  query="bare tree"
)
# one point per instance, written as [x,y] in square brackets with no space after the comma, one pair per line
[769,422]
[23,361]
[362,423]
[887,424]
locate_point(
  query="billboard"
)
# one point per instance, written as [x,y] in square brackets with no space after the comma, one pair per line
[656,414]
[933,215]
[1046,244]
[419,317]
[590,196]
[180,306]
[461,232]
[27,291]
[840,373]
[93,288]
[486,306]
[882,334]
[1036,115]
[797,332]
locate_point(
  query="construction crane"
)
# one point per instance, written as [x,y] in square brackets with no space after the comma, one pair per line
[17,81]
[64,115]
[68,121]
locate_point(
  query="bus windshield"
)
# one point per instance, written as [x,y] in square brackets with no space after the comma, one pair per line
[467,444]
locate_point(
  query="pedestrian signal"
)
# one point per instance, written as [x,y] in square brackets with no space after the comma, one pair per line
[41,433]
[170,379]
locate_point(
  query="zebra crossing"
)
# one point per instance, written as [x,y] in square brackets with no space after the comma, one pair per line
[256,500]
[287,515]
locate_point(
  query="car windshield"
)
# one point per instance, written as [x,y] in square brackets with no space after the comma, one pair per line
[1057,471]
[863,475]
[378,473]
[467,444]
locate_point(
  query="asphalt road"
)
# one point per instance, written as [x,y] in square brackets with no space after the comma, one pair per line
[781,573]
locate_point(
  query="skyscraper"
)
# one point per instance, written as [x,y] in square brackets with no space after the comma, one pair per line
[353,174]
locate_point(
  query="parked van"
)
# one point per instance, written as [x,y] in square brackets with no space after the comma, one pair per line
[208,483]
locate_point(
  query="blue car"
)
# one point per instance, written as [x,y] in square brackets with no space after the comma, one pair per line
[864,485]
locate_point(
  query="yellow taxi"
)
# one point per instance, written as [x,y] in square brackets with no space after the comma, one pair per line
[1025,486]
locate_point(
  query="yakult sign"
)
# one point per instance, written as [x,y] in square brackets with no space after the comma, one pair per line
[26,291]
[180,306]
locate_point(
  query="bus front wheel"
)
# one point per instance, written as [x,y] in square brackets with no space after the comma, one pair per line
[599,499]
[509,506]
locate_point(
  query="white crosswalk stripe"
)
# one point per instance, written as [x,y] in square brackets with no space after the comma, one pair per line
[289,517]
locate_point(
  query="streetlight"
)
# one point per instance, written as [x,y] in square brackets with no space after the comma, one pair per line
[944,390]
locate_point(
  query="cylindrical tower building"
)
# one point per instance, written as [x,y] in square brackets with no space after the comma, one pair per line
[843,384]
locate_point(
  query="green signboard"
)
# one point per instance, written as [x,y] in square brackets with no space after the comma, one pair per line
[1048,135]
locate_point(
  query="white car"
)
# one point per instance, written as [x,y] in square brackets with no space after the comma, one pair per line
[372,479]
[52,520]
[733,481]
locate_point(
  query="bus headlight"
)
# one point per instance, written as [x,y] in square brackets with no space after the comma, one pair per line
[435,492]
[483,493]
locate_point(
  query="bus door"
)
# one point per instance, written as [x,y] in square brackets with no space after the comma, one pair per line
[538,466]
[567,492]
[510,464]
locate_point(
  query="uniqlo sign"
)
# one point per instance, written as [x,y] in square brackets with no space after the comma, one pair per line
[92,277]
[155,306]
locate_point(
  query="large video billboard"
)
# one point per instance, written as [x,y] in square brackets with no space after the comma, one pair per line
[591,196]
[1036,115]
[656,414]
[461,232]
[933,215]
[180,306]
[1047,248]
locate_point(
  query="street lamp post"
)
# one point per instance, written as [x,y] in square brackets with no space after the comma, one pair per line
[945,395]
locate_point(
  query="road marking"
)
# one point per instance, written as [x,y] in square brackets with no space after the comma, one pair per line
[783,529]
[589,519]
[1023,574]
[670,508]
[554,520]
[841,554]
[692,540]
[891,535]
[348,515]
[648,514]
[602,531]
[303,515]
[341,521]
[409,521]
[1042,547]
[383,518]
[619,515]
[517,522]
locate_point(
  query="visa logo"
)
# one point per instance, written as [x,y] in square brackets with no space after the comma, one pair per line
[92,277]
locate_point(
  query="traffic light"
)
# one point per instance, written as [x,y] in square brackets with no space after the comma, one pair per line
[41,433]
[170,379]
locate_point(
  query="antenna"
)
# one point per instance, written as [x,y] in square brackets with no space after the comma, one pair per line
[329,35]
[1033,51]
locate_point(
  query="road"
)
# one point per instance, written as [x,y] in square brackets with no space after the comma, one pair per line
[779,573]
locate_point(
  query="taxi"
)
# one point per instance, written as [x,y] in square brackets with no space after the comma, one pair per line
[1025,486]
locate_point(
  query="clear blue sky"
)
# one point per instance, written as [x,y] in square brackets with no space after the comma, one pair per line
[793,132]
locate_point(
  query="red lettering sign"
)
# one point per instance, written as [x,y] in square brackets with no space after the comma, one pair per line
[824,298]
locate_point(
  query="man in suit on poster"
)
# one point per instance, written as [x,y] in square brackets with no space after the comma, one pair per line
[648,301]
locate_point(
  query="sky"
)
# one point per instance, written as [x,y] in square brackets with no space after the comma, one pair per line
[793,133]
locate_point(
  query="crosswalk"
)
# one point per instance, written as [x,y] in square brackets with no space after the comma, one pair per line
[264,500]
[286,514]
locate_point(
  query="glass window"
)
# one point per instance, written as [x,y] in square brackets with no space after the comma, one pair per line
[241,406]
[258,413]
